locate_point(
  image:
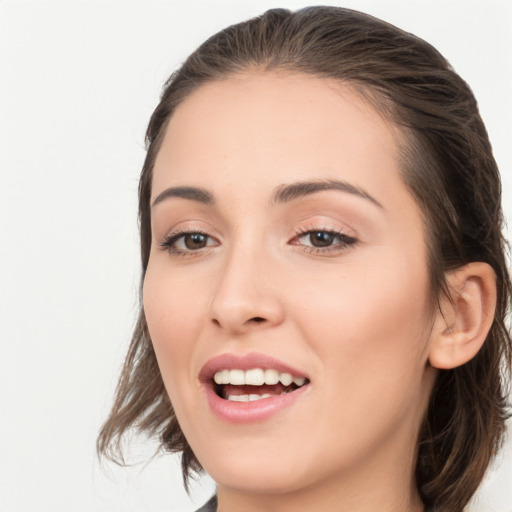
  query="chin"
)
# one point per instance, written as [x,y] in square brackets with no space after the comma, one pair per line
[257,483]
[264,476]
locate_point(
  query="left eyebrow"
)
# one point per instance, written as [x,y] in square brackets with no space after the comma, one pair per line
[286,193]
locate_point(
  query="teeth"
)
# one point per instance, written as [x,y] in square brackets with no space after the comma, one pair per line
[237,377]
[256,377]
[236,398]
[286,379]
[222,377]
[247,398]
[271,377]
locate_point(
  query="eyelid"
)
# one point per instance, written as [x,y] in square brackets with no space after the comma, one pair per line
[182,226]
[170,239]
[346,240]
[325,223]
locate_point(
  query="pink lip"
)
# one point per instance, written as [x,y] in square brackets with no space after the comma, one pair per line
[250,412]
[247,412]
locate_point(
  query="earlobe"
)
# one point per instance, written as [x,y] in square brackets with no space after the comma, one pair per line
[462,324]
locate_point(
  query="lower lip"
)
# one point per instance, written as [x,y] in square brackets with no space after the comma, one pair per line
[251,412]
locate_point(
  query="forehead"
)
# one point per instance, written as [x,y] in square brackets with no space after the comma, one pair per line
[259,125]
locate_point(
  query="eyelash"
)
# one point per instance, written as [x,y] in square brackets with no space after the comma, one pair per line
[345,241]
[170,240]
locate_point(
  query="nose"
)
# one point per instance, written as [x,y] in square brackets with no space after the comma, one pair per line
[247,296]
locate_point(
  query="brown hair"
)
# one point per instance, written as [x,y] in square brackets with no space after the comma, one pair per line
[448,165]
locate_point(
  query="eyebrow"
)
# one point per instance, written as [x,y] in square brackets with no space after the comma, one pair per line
[283,193]
[286,193]
[192,193]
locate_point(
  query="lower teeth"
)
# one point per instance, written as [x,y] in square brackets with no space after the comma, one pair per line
[249,398]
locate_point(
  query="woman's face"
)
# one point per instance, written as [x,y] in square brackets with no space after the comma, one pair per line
[285,242]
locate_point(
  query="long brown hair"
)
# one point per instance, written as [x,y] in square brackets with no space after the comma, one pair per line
[448,165]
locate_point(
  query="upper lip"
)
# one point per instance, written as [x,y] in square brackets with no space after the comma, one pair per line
[245,362]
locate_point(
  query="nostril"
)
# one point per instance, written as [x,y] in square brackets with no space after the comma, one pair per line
[236,322]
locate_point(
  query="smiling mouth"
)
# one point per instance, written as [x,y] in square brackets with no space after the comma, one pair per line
[238,385]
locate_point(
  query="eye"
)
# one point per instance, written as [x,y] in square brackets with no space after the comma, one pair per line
[187,242]
[319,240]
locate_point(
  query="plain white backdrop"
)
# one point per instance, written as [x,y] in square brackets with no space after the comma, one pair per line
[78,82]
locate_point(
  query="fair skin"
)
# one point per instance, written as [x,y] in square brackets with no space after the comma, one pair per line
[236,268]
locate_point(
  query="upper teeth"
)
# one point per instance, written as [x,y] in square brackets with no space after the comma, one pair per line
[256,377]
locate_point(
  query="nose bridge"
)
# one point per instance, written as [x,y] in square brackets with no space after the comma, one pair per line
[245,296]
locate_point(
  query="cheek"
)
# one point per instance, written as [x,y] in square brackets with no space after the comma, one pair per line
[369,333]
[369,320]
[173,313]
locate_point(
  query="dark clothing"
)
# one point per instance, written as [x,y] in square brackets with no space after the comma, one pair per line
[211,506]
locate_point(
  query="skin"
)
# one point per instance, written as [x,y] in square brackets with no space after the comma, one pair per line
[356,318]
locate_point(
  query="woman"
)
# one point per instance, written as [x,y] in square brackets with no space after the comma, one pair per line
[324,281]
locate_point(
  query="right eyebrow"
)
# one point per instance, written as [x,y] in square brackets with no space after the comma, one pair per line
[192,193]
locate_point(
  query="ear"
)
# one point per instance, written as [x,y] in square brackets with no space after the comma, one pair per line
[463,322]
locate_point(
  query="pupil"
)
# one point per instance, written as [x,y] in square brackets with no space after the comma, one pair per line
[322,239]
[195,241]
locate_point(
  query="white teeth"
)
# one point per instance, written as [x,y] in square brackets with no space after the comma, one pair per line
[222,377]
[286,379]
[271,377]
[256,377]
[236,377]
[247,398]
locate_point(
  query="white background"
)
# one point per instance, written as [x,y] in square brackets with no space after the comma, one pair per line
[78,82]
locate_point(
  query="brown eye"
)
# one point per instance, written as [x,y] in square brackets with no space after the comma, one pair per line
[195,241]
[188,242]
[321,238]
[324,240]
